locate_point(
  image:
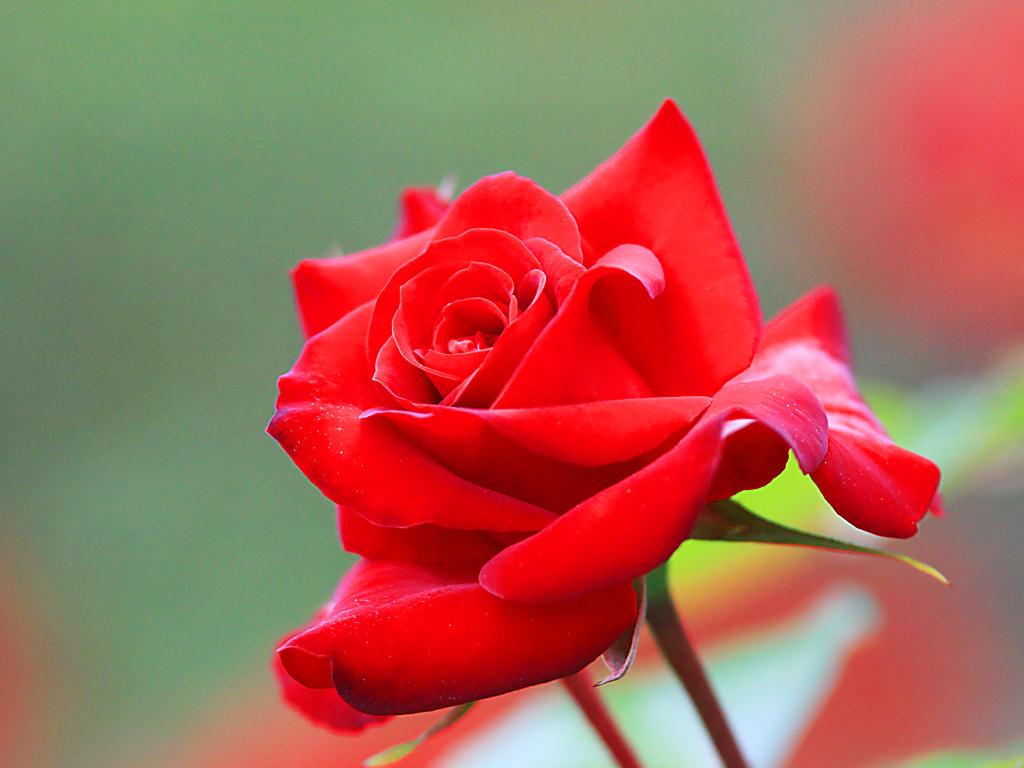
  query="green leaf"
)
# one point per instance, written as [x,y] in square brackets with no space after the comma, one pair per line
[729,521]
[400,751]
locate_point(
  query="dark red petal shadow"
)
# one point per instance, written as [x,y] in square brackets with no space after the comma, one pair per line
[401,638]
[658,192]
[321,705]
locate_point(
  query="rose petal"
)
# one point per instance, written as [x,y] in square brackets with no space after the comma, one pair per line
[573,360]
[480,389]
[876,485]
[793,417]
[413,319]
[425,544]
[328,289]
[867,479]
[752,456]
[426,299]
[658,192]
[448,371]
[403,638]
[322,706]
[477,280]
[366,464]
[562,271]
[516,205]
[588,434]
[816,320]
[555,456]
[420,208]
[463,441]
[464,318]
[597,433]
[619,534]
[409,384]
[440,260]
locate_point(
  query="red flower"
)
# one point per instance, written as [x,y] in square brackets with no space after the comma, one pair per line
[524,407]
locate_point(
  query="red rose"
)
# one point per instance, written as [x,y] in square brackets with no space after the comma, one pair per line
[523,407]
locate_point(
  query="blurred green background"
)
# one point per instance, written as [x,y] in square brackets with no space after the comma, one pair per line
[163,165]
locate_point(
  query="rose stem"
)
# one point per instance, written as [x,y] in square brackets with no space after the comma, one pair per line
[581,688]
[670,636]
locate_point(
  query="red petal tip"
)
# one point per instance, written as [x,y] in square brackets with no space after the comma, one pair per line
[310,669]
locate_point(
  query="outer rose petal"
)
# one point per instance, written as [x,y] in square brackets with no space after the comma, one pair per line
[752,456]
[875,484]
[321,705]
[365,464]
[617,535]
[785,413]
[867,479]
[400,638]
[587,434]
[328,289]
[784,404]
[516,205]
[426,544]
[554,457]
[420,208]
[658,192]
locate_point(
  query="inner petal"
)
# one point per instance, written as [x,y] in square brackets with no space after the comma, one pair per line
[466,325]
[447,371]
[529,288]
[475,279]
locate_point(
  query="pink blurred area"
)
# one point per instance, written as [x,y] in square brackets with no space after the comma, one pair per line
[30,703]
[941,674]
[252,728]
[913,167]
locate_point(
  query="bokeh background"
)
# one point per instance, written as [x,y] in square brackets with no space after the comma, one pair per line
[163,165]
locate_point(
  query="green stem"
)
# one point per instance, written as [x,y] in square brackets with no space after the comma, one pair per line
[670,636]
[581,688]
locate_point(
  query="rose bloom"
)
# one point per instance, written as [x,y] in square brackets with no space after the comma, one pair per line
[522,403]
